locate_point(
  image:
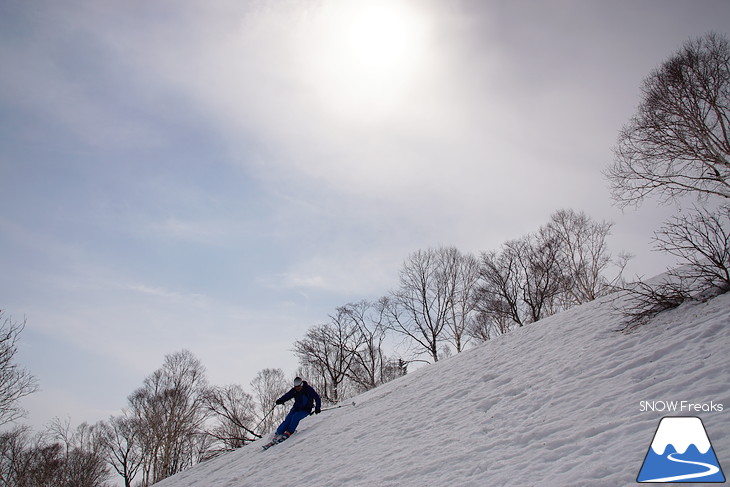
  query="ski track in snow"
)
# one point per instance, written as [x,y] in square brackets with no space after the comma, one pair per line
[555,403]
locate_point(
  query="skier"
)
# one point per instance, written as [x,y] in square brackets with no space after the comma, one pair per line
[305,397]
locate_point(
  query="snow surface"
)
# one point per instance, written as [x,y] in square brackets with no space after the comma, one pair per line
[556,403]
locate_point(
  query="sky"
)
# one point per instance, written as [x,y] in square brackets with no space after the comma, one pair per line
[220,176]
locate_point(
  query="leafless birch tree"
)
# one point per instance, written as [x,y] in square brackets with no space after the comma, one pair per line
[329,349]
[170,411]
[432,305]
[521,283]
[679,140]
[461,270]
[123,446]
[584,255]
[15,381]
[368,368]
[701,239]
[234,413]
[678,144]
[268,386]
[82,460]
[499,295]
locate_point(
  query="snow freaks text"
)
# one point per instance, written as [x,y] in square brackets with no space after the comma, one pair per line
[685,407]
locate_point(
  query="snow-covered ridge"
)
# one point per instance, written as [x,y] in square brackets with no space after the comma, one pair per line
[554,403]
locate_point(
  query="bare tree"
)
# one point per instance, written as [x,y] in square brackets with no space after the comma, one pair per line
[499,295]
[15,462]
[463,272]
[83,454]
[678,144]
[29,460]
[421,307]
[486,326]
[525,281]
[268,386]
[235,412]
[522,283]
[647,300]
[544,279]
[368,368]
[123,446]
[60,456]
[701,239]
[15,381]
[170,411]
[330,350]
[584,255]
[679,140]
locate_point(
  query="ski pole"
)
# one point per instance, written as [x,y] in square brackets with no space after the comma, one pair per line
[335,407]
[264,419]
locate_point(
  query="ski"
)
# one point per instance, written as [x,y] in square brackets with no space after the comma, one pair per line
[275,441]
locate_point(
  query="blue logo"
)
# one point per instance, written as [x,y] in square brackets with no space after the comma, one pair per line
[681,452]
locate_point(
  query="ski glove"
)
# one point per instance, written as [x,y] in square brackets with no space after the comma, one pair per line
[317,411]
[279,401]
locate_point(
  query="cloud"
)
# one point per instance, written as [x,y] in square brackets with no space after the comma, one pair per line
[266,75]
[296,113]
[167,295]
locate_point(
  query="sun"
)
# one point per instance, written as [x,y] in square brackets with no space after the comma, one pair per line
[378,38]
[369,54]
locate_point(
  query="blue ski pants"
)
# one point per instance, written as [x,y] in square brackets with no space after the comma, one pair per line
[291,421]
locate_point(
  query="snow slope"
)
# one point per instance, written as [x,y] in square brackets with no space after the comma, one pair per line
[556,403]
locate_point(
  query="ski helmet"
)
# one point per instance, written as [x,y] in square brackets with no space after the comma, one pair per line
[298,381]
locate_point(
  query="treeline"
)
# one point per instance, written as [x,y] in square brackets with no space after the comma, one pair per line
[447,298]
[173,421]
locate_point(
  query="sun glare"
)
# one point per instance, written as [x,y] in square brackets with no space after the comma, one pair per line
[378,39]
[369,54]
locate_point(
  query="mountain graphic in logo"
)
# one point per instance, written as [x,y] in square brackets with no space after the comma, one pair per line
[681,452]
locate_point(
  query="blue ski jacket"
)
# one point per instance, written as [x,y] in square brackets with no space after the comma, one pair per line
[304,400]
